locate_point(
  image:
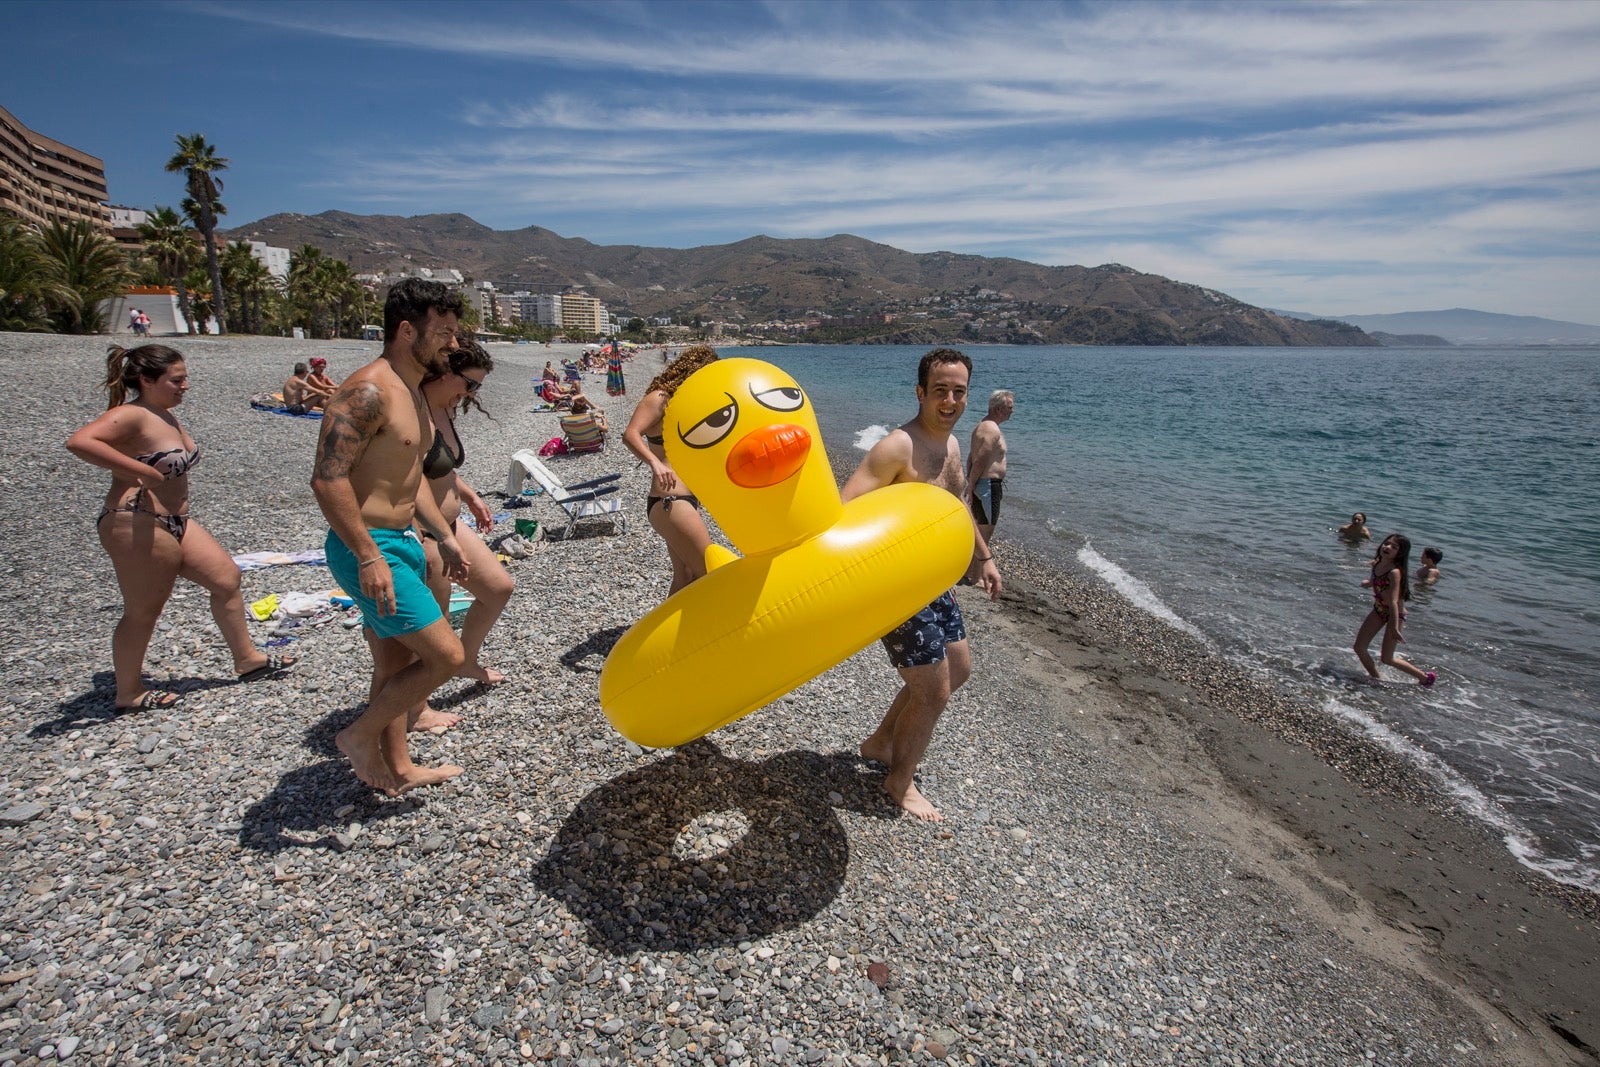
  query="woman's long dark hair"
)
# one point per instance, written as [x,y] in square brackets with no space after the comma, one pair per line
[467,355]
[1402,561]
[126,367]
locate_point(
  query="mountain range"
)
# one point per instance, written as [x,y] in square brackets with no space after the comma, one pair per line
[840,287]
[1463,326]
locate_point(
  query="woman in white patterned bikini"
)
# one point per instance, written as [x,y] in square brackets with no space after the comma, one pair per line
[145,526]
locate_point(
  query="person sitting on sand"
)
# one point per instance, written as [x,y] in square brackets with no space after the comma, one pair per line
[145,525]
[1356,530]
[930,649]
[1428,572]
[319,385]
[375,438]
[673,511]
[1390,591]
[297,398]
[582,415]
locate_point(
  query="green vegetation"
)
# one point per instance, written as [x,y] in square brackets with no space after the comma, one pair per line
[56,279]
[199,163]
[30,288]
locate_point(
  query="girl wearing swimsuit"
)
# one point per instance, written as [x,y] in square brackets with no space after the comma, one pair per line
[1390,590]
[488,582]
[673,510]
[145,526]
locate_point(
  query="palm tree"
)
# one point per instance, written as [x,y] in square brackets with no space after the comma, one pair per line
[89,263]
[167,241]
[249,280]
[28,287]
[199,163]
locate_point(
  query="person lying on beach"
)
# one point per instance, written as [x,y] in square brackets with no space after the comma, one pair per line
[673,511]
[297,396]
[1355,531]
[930,649]
[1428,572]
[1390,590]
[375,438]
[145,525]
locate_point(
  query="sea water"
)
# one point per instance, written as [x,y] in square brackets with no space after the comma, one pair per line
[1203,484]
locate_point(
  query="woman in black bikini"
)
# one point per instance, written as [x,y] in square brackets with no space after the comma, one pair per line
[489,583]
[673,511]
[1390,591]
[145,524]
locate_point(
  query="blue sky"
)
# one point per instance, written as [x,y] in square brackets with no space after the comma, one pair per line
[1339,158]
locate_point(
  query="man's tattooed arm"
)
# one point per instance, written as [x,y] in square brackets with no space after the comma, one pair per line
[349,423]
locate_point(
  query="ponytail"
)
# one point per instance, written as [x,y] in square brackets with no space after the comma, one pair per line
[126,367]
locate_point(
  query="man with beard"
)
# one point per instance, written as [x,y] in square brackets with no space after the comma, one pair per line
[375,434]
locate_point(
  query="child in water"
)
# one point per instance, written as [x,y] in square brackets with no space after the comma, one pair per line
[1390,588]
[1356,531]
[1428,573]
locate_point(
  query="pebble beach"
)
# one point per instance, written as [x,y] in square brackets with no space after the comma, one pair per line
[1147,858]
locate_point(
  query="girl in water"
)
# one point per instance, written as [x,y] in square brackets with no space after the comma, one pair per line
[145,525]
[673,510]
[1390,589]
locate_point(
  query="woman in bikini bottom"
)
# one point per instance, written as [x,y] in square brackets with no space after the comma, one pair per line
[682,528]
[145,526]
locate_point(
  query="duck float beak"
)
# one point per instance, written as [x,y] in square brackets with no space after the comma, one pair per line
[766,456]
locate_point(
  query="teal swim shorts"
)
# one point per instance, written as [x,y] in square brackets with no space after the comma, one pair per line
[414,606]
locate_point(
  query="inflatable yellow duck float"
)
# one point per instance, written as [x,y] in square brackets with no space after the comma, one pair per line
[818,581]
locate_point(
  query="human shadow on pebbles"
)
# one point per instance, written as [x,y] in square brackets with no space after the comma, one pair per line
[582,656]
[98,706]
[701,850]
[303,810]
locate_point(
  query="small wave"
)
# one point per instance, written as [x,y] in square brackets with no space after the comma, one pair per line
[865,439]
[1136,592]
[1472,800]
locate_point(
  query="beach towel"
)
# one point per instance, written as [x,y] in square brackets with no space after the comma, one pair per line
[255,561]
[272,404]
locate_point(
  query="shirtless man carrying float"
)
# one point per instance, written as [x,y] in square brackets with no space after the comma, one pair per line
[930,649]
[375,431]
[986,465]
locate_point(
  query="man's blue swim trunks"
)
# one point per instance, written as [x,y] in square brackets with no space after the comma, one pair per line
[921,639]
[414,606]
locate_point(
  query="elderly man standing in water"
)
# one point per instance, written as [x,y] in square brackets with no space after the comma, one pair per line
[375,432]
[930,649]
[986,463]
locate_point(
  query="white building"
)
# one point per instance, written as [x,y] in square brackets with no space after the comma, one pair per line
[276,260]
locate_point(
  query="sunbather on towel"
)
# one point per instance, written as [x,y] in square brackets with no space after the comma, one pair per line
[145,525]
[298,396]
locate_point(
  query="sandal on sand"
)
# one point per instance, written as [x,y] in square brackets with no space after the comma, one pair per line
[153,700]
[276,664]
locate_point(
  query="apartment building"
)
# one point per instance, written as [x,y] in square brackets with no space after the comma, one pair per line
[43,180]
[585,313]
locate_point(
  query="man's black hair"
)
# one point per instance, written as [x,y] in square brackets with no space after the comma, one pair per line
[411,299]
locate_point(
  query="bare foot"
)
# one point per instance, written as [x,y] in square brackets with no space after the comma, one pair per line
[916,804]
[486,675]
[878,751]
[368,763]
[421,776]
[433,720]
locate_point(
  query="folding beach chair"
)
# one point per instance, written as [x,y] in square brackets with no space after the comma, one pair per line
[581,500]
[583,433]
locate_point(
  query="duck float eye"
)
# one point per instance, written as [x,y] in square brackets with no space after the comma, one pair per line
[784,398]
[714,427]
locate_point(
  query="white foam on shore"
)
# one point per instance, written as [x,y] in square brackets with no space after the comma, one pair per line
[1471,800]
[865,439]
[1133,590]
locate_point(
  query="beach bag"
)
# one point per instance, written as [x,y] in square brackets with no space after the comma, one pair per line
[553,447]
